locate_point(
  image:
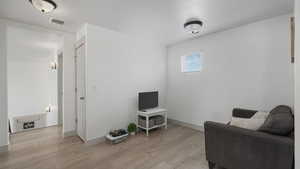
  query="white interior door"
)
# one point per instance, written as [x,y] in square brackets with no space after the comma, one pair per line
[80,87]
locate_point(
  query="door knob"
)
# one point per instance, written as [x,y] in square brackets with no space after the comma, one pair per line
[81,98]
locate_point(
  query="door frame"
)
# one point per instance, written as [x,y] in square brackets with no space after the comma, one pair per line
[60,88]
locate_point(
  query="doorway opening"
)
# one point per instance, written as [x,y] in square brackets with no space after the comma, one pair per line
[35,79]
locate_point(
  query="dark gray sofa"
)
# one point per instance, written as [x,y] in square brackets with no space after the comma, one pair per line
[238,148]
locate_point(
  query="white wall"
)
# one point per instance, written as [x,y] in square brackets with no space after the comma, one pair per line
[246,67]
[3,88]
[118,67]
[297,83]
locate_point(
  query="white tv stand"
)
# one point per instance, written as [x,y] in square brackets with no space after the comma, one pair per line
[149,113]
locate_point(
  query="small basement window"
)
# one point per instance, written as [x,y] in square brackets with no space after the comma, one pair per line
[191,63]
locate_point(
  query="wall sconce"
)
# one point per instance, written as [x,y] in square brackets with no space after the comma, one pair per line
[53,66]
[48,109]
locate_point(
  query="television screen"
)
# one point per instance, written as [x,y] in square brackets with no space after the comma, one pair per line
[148,100]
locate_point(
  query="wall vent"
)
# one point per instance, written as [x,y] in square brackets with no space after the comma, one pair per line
[57,21]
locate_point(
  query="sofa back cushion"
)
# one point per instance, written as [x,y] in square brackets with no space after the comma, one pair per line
[280,121]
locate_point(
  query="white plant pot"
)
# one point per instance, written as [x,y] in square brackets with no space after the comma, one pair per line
[132,133]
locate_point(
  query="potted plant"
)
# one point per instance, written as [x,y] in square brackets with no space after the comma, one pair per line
[132,128]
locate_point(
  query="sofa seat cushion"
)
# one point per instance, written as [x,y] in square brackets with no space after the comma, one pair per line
[280,121]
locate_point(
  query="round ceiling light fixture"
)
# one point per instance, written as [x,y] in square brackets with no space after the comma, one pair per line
[193,26]
[45,6]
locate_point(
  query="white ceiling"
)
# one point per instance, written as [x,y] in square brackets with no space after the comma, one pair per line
[161,20]
[27,44]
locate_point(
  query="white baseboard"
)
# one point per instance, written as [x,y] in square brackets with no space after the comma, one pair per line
[88,142]
[192,126]
[69,133]
[3,149]
[95,140]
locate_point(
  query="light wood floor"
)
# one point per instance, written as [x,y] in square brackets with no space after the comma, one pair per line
[174,148]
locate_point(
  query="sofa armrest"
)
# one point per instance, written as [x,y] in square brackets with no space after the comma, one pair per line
[243,113]
[236,148]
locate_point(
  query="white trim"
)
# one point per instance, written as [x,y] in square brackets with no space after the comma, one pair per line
[69,133]
[95,140]
[4,149]
[192,126]
[79,43]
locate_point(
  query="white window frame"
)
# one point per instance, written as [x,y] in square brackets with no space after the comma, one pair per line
[183,59]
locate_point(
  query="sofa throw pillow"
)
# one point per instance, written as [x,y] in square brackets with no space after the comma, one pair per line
[260,115]
[252,123]
[280,121]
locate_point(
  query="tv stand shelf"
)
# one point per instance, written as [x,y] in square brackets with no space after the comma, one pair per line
[150,113]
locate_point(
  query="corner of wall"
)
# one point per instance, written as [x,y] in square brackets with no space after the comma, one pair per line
[3,87]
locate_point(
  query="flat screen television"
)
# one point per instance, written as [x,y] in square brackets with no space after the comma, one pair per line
[148,100]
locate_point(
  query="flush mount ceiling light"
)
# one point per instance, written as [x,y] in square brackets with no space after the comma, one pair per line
[193,26]
[45,6]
